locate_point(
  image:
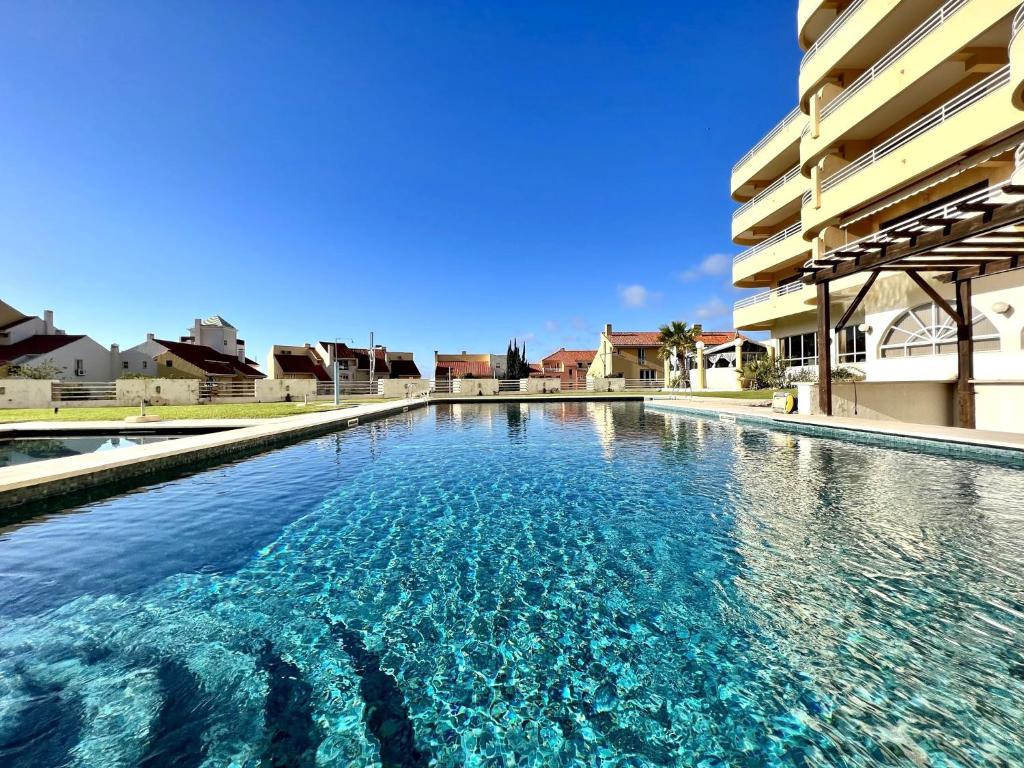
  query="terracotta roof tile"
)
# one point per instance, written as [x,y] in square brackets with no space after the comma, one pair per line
[401,368]
[650,338]
[571,356]
[457,369]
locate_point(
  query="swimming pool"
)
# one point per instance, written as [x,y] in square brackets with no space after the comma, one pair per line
[22,450]
[561,584]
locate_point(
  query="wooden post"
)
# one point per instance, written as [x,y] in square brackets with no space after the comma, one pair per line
[964,414]
[824,351]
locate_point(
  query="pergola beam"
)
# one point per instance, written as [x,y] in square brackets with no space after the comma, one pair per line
[940,302]
[962,229]
[824,351]
[856,302]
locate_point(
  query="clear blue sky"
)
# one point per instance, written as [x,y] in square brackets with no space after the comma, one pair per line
[447,174]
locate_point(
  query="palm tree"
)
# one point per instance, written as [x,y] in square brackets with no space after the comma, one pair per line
[678,340]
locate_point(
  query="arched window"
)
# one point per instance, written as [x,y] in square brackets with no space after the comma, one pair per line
[927,330]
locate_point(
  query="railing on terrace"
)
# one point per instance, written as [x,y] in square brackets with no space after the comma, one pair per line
[833,28]
[929,25]
[774,293]
[1018,22]
[209,389]
[78,391]
[951,209]
[779,128]
[972,95]
[773,240]
[775,185]
[507,386]
[645,384]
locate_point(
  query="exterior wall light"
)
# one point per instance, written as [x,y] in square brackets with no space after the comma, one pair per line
[1001,307]
[864,328]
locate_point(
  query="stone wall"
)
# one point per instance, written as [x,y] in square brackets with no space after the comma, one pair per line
[158,391]
[475,387]
[599,384]
[540,386]
[25,393]
[277,390]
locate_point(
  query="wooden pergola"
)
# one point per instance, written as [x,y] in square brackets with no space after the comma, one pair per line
[978,235]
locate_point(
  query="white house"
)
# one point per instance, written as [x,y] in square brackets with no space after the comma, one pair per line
[33,340]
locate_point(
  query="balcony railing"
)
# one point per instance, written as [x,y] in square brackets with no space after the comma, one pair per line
[775,185]
[773,240]
[972,95]
[1018,22]
[929,25]
[771,135]
[774,293]
[834,27]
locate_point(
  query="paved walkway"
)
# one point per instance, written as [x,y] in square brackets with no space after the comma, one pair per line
[975,437]
[35,481]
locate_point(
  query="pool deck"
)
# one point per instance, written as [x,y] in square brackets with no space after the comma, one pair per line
[889,432]
[38,481]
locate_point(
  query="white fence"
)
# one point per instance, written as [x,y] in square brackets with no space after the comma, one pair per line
[83,391]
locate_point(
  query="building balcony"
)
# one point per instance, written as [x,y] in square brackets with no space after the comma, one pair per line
[857,38]
[770,158]
[1017,58]
[760,311]
[814,17]
[766,213]
[762,264]
[961,38]
[980,116]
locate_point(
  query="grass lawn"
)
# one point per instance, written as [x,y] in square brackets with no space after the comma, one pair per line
[212,411]
[746,394]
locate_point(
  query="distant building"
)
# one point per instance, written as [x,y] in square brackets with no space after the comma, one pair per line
[637,354]
[569,365]
[317,362]
[469,365]
[211,350]
[32,340]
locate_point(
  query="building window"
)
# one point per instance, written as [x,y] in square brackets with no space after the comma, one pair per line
[170,363]
[852,345]
[800,350]
[648,375]
[927,330]
[145,363]
[79,367]
[641,356]
[124,364]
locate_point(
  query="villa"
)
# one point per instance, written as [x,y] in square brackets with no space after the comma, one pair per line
[210,350]
[469,365]
[636,355]
[570,366]
[33,340]
[880,216]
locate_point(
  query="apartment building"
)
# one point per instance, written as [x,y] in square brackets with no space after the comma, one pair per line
[870,202]
[569,365]
[34,340]
[478,365]
[354,363]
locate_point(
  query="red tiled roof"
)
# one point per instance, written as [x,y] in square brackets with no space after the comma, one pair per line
[18,321]
[650,338]
[302,364]
[457,369]
[34,346]
[571,356]
[714,338]
[635,338]
[209,360]
[362,357]
[401,368]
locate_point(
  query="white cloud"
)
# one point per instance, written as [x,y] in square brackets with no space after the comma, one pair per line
[712,266]
[634,295]
[713,309]
[551,326]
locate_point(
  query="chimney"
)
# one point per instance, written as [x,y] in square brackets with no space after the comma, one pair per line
[463,351]
[115,349]
[150,336]
[607,329]
[48,322]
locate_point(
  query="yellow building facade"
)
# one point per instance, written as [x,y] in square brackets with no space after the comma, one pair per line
[901,106]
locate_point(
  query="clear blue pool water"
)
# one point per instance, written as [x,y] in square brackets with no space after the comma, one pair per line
[543,585]
[23,450]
